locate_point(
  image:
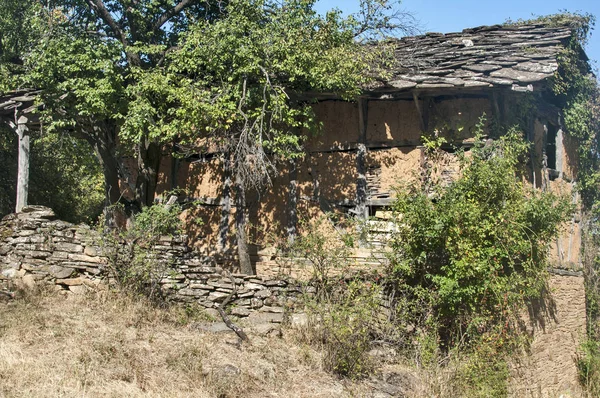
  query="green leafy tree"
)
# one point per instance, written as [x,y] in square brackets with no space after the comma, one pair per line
[131,75]
[85,56]
[242,81]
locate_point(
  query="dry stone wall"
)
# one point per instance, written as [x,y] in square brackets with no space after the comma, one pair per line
[37,249]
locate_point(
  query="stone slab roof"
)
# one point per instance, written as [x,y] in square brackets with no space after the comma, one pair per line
[515,56]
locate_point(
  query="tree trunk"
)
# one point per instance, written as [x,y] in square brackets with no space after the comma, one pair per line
[292,206]
[240,227]
[225,204]
[23,170]
[148,163]
[104,143]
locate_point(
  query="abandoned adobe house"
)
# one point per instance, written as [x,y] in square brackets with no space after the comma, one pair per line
[442,84]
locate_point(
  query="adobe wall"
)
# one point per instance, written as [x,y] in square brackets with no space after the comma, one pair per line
[326,178]
[548,369]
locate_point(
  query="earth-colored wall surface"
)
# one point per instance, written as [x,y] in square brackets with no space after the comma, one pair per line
[548,370]
[326,178]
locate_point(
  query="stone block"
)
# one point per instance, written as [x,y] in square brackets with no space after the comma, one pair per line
[68,247]
[275,282]
[201,286]
[86,259]
[59,272]
[256,303]
[240,311]
[217,296]
[57,255]
[253,286]
[263,294]
[275,310]
[191,292]
[222,285]
[91,251]
[21,239]
[39,254]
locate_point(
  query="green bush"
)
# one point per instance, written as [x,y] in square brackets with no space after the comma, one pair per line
[133,258]
[475,250]
[347,326]
[588,365]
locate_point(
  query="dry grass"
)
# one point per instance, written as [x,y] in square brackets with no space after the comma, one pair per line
[106,345]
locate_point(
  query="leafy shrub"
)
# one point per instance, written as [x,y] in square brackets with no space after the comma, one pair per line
[475,250]
[132,255]
[588,365]
[347,325]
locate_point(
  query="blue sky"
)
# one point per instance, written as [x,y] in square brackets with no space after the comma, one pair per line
[455,15]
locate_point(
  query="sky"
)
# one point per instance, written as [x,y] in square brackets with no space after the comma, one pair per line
[455,15]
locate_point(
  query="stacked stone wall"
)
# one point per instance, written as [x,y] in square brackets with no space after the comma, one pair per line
[37,249]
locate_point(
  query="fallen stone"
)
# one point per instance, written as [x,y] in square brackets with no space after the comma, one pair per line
[265,317]
[28,281]
[299,320]
[78,289]
[9,273]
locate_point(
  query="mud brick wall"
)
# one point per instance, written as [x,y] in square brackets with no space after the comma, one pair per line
[558,328]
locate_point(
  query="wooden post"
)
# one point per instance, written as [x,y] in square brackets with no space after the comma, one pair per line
[420,112]
[293,203]
[361,161]
[23,168]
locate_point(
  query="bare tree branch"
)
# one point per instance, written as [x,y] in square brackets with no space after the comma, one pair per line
[171,13]
[99,7]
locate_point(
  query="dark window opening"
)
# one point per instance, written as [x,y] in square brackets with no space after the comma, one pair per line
[551,147]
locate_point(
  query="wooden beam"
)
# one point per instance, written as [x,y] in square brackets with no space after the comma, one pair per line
[23,167]
[420,112]
[225,205]
[361,160]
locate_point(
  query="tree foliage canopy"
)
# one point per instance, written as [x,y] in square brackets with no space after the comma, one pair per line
[147,72]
